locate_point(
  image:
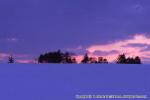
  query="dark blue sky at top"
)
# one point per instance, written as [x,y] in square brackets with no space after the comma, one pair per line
[43,25]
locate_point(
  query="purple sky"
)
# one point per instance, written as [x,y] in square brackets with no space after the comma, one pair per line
[31,27]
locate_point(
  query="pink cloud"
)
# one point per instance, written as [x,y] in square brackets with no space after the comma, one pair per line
[124,46]
[25,61]
[3,56]
[79,58]
[19,58]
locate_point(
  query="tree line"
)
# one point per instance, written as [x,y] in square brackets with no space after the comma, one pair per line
[69,58]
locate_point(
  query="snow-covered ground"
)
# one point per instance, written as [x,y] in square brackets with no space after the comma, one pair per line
[63,82]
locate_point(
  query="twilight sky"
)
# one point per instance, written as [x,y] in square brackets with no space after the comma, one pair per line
[99,27]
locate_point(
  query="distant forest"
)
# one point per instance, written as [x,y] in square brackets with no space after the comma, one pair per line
[69,58]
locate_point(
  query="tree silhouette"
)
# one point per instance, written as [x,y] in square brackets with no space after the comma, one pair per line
[91,60]
[10,59]
[102,60]
[138,60]
[85,59]
[51,57]
[56,57]
[121,59]
[130,60]
[67,57]
[105,61]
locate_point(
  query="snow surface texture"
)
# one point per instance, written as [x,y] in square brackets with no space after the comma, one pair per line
[63,82]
